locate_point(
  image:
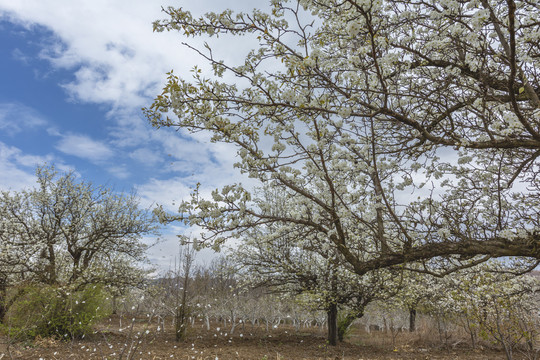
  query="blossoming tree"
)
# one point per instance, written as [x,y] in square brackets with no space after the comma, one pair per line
[491,304]
[400,131]
[69,233]
[276,258]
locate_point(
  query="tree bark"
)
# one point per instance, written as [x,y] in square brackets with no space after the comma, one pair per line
[114,305]
[528,246]
[412,319]
[332,324]
[3,309]
[3,299]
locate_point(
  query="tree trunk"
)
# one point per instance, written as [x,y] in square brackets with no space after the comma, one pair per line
[180,323]
[412,319]
[3,298]
[332,324]
[344,324]
[3,309]
[114,305]
[181,311]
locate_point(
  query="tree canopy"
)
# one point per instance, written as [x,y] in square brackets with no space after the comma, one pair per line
[71,233]
[400,131]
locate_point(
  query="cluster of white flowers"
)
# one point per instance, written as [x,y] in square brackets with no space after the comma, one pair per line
[507,234]
[511,119]
[353,28]
[444,233]
[479,18]
[345,112]
[310,61]
[289,96]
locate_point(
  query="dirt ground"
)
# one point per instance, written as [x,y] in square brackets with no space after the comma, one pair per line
[247,342]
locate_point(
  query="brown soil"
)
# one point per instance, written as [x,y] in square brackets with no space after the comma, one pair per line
[246,343]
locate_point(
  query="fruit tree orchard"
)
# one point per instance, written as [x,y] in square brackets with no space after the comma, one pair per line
[400,131]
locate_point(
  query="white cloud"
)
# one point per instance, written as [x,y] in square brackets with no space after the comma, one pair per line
[164,253]
[17,169]
[147,156]
[117,58]
[18,55]
[53,131]
[15,118]
[167,193]
[84,147]
[119,171]
[111,45]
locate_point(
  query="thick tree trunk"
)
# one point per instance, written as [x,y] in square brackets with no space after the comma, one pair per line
[412,319]
[332,324]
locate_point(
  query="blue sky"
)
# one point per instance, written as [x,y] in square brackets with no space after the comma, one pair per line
[74,77]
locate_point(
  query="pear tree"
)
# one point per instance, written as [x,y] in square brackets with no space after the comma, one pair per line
[400,131]
[67,234]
